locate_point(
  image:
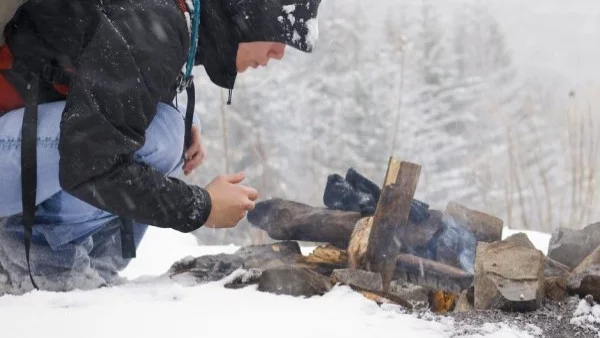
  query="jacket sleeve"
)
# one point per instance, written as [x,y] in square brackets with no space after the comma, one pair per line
[131,60]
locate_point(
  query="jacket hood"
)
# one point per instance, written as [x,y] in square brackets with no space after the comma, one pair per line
[226,23]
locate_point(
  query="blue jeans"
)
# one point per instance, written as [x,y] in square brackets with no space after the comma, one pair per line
[75,245]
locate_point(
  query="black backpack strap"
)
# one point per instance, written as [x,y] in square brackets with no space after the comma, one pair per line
[29,164]
[189,115]
[127,239]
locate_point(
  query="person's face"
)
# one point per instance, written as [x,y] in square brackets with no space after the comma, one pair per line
[254,54]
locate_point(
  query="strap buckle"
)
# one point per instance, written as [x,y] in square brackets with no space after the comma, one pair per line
[184,82]
[55,75]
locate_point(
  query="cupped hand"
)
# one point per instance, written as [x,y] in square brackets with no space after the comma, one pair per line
[230,200]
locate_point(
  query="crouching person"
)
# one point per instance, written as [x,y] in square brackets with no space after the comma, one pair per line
[101,78]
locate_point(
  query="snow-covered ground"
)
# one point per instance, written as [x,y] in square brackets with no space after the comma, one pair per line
[151,306]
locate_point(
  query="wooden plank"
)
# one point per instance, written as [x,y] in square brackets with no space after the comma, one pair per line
[359,240]
[392,172]
[392,213]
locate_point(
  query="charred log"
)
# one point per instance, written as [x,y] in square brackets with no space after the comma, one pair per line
[432,274]
[486,228]
[287,220]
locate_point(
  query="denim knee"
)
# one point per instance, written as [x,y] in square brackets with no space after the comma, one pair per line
[163,148]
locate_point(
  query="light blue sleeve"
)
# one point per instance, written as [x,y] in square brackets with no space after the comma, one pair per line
[196,121]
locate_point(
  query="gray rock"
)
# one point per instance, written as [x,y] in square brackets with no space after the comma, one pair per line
[361,279]
[293,281]
[585,278]
[269,255]
[204,269]
[570,247]
[243,278]
[509,275]
[590,300]
[553,268]
[556,288]
[405,294]
[415,294]
[463,304]
[215,267]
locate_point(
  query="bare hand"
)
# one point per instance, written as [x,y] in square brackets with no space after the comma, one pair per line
[230,200]
[194,155]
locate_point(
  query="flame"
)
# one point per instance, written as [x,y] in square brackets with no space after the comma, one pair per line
[443,302]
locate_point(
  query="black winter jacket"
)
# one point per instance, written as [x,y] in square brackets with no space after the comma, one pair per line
[126,56]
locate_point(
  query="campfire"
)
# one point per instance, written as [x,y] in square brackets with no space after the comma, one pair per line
[393,249]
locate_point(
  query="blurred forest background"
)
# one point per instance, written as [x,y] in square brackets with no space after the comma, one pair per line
[456,86]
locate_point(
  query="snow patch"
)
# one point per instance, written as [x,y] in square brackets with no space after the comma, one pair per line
[296,36]
[312,35]
[289,8]
[292,19]
[587,317]
[540,240]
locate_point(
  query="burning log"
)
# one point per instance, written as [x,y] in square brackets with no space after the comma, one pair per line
[432,274]
[287,220]
[392,214]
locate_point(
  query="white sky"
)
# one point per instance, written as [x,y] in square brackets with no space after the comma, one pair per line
[554,40]
[555,37]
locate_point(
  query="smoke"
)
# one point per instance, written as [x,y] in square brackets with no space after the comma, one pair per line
[452,244]
[460,242]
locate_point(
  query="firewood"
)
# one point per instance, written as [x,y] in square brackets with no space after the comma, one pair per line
[486,228]
[359,241]
[431,274]
[326,254]
[392,214]
[287,220]
[381,297]
[369,284]
[324,260]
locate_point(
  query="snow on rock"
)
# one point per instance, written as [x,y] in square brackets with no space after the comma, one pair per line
[312,35]
[539,239]
[158,252]
[587,317]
